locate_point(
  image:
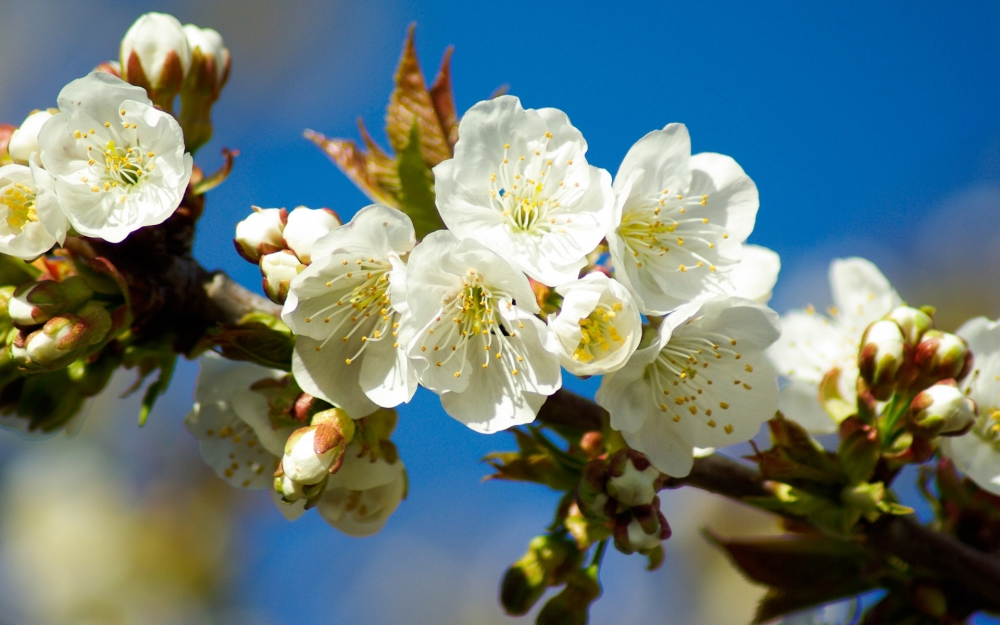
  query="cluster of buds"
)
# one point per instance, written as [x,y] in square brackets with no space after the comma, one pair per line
[167,60]
[550,560]
[619,493]
[312,454]
[281,243]
[50,324]
[903,352]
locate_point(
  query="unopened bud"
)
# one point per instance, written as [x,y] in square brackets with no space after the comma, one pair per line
[260,233]
[278,270]
[56,344]
[941,356]
[641,529]
[34,303]
[311,453]
[24,140]
[941,410]
[292,491]
[881,356]
[155,55]
[548,558]
[571,606]
[865,497]
[591,491]
[305,226]
[634,481]
[209,73]
[912,321]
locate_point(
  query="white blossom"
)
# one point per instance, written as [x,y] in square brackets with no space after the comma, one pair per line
[476,340]
[598,325]
[977,453]
[119,163]
[812,344]
[363,494]
[680,220]
[755,275]
[346,308]
[305,226]
[31,221]
[520,185]
[24,141]
[232,423]
[160,45]
[278,270]
[702,382]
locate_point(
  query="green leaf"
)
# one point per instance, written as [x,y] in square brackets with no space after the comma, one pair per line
[417,182]
[258,338]
[157,388]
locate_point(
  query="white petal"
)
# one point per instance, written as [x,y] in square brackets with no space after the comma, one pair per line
[861,294]
[320,374]
[976,458]
[665,450]
[376,228]
[811,345]
[98,95]
[757,272]
[732,196]
[663,155]
[799,402]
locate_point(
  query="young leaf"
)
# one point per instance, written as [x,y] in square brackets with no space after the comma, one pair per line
[354,163]
[444,99]
[411,105]
[417,198]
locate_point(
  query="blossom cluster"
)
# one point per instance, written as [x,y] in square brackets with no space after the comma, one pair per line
[546,263]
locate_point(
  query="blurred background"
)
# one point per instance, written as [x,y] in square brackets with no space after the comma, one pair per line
[870,130]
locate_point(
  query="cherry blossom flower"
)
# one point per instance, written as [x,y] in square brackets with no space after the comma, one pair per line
[362,495]
[231,422]
[680,220]
[119,163]
[476,341]
[520,185]
[347,307]
[598,326]
[812,345]
[702,382]
[31,221]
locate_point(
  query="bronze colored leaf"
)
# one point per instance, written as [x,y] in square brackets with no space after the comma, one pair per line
[351,160]
[444,98]
[411,103]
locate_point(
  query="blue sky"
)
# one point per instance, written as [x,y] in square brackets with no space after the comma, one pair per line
[866,126]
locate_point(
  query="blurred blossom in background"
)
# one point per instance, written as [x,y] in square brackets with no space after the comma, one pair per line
[870,130]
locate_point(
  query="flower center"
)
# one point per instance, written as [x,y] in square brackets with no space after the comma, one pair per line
[115,169]
[655,227]
[526,195]
[988,426]
[19,200]
[469,321]
[598,335]
[360,304]
[681,380]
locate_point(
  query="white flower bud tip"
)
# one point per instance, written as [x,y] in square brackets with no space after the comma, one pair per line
[278,270]
[207,44]
[634,487]
[942,409]
[260,233]
[912,321]
[24,142]
[155,53]
[306,226]
[882,353]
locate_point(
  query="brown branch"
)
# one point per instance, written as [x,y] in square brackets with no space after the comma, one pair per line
[227,301]
[900,536]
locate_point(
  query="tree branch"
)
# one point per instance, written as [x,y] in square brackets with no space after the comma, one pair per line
[900,536]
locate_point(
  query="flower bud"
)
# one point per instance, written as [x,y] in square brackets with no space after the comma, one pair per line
[634,481]
[260,233]
[306,226]
[941,410]
[36,302]
[548,558]
[24,140]
[641,529]
[60,341]
[292,491]
[278,269]
[882,354]
[941,356]
[912,321]
[591,491]
[315,451]
[155,56]
[209,72]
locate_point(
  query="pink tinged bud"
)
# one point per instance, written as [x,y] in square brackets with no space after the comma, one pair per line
[942,355]
[209,59]
[260,233]
[882,354]
[313,452]
[278,270]
[156,47]
[34,303]
[941,410]
[306,226]
[24,140]
[635,487]
[912,321]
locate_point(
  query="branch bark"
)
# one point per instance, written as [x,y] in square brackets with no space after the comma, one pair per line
[900,536]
